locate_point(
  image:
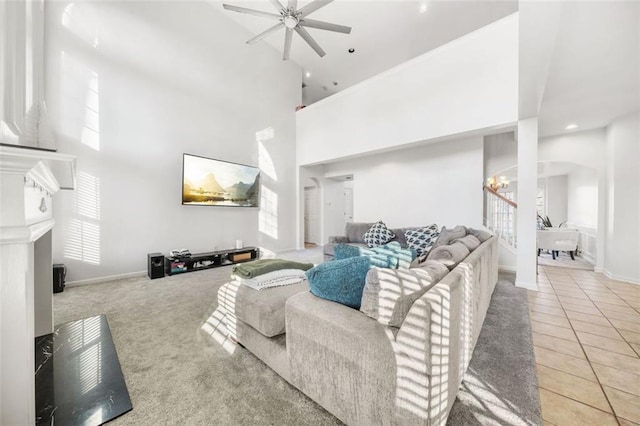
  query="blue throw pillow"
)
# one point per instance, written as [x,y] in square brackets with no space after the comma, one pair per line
[345,251]
[340,281]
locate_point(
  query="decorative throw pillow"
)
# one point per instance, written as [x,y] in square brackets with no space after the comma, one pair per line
[470,241]
[340,281]
[345,251]
[378,235]
[422,239]
[480,234]
[449,255]
[447,235]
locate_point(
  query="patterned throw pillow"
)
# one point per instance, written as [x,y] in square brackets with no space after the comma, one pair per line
[378,235]
[421,240]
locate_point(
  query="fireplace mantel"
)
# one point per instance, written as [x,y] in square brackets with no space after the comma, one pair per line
[28,179]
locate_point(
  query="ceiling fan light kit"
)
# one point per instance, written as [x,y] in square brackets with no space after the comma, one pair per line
[292,19]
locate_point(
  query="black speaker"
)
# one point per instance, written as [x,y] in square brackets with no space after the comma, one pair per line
[155,265]
[59,275]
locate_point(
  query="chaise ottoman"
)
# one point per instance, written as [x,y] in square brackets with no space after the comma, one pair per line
[251,315]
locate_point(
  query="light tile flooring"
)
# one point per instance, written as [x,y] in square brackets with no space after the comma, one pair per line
[586,336]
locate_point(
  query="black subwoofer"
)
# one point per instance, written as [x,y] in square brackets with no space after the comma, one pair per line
[155,265]
[59,276]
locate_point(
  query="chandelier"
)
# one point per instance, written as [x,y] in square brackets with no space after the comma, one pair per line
[496,183]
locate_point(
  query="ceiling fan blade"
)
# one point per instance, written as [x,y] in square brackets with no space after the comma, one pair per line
[277,5]
[313,6]
[311,23]
[287,44]
[251,11]
[292,5]
[265,33]
[310,41]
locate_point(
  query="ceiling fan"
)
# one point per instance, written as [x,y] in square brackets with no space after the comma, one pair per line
[292,19]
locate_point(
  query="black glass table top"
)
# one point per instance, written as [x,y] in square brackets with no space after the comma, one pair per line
[78,375]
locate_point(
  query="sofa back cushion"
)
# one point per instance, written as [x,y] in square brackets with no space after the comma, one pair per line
[450,255]
[355,230]
[389,293]
[470,241]
[448,235]
[340,281]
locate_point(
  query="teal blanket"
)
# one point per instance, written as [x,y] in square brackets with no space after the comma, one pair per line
[390,255]
[260,267]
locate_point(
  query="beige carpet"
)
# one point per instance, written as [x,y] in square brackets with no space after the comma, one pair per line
[178,375]
[563,260]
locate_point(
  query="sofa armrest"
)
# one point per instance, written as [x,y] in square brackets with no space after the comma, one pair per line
[336,239]
[435,342]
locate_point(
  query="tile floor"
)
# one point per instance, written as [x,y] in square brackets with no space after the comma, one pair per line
[586,337]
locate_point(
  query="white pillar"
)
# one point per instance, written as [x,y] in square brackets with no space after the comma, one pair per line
[526,256]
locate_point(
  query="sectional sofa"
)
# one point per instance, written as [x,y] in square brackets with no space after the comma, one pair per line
[360,369]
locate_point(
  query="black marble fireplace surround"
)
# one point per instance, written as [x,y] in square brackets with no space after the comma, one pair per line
[78,375]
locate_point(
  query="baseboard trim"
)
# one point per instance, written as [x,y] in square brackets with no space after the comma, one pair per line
[588,258]
[104,279]
[629,280]
[506,268]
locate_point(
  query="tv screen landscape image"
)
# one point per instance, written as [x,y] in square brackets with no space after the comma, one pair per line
[209,182]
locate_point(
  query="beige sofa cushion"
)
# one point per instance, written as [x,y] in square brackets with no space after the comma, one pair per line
[450,255]
[389,293]
[264,310]
[470,241]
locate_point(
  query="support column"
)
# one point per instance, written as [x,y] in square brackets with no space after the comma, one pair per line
[526,259]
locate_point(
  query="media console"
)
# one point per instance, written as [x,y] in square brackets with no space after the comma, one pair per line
[200,261]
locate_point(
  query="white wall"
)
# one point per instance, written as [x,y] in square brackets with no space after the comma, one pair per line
[623,199]
[556,197]
[133,85]
[582,197]
[500,153]
[435,183]
[468,84]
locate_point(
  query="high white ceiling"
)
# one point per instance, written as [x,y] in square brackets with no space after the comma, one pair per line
[594,71]
[594,75]
[385,33]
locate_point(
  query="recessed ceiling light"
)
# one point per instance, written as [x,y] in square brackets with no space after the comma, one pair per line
[308,74]
[352,50]
[571,126]
[423,7]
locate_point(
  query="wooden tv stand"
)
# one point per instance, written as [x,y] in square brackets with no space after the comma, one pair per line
[214,259]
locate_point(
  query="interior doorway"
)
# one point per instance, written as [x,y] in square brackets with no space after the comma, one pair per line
[311,215]
[348,202]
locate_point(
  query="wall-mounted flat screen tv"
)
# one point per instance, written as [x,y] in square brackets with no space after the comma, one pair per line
[209,182]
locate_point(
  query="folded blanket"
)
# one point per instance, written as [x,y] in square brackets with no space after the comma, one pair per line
[278,278]
[260,267]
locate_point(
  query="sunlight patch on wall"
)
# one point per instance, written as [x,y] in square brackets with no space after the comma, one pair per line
[83,231]
[268,216]
[79,19]
[81,100]
[265,162]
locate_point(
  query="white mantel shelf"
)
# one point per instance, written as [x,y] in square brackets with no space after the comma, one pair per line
[28,179]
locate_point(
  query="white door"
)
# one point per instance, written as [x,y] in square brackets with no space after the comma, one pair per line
[311,216]
[348,204]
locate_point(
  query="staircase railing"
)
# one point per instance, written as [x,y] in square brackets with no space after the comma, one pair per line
[500,216]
